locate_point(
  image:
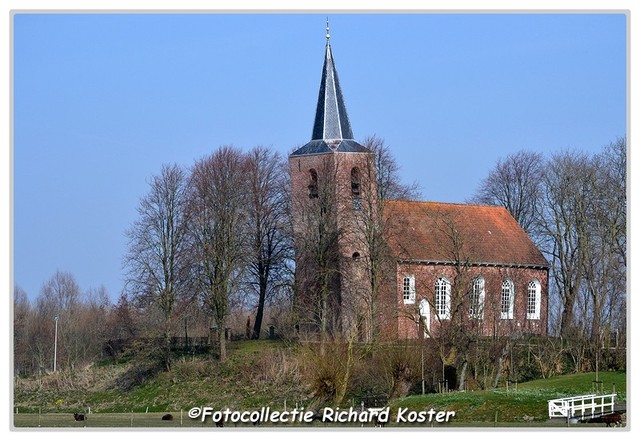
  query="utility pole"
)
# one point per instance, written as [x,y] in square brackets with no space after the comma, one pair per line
[55,345]
[422,366]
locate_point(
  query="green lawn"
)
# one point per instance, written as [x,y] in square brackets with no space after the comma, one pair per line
[524,406]
[518,404]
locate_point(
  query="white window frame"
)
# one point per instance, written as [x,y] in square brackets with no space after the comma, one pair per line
[534,290]
[443,298]
[409,289]
[507,285]
[476,300]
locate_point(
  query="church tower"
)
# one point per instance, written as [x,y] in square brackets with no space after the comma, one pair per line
[333,188]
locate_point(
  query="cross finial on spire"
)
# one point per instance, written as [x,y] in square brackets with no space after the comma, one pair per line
[328,35]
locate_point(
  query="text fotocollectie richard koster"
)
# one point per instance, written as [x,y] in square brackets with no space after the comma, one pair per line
[380,415]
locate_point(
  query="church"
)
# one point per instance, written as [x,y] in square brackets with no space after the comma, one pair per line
[369,267]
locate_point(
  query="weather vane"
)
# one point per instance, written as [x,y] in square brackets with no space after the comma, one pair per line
[328,36]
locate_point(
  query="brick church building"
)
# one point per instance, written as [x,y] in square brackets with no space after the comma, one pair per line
[386,269]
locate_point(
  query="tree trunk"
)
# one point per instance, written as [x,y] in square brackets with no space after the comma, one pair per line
[222,341]
[596,321]
[257,325]
[505,351]
[496,380]
[167,351]
[567,315]
[341,388]
[462,376]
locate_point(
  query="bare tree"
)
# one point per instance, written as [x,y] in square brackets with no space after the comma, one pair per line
[574,206]
[22,362]
[515,184]
[156,260]
[36,347]
[122,321]
[267,225]
[94,330]
[567,185]
[63,329]
[64,292]
[41,338]
[604,248]
[217,210]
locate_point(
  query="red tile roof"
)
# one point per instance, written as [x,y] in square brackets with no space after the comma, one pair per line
[434,232]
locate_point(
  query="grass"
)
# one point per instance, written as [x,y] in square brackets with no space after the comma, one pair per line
[108,420]
[516,405]
[498,408]
[257,375]
[240,383]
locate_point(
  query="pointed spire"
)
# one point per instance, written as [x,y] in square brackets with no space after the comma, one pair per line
[331,127]
[332,122]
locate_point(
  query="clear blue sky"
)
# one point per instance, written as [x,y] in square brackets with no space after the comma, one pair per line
[101,101]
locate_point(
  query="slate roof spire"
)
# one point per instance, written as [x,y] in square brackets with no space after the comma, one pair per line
[332,121]
[331,126]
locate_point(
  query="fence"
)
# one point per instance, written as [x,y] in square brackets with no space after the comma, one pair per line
[584,405]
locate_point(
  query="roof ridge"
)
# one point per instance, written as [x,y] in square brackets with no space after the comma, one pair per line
[445,203]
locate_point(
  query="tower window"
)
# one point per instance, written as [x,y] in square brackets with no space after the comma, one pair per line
[355,181]
[313,184]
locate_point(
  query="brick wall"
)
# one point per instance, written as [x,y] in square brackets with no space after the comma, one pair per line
[491,322]
[333,172]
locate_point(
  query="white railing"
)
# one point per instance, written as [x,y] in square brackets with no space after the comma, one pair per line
[585,404]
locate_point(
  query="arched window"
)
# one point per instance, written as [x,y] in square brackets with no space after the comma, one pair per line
[409,289]
[507,300]
[355,181]
[443,298]
[533,300]
[313,184]
[476,299]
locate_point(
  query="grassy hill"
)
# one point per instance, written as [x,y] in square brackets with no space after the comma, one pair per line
[255,372]
[263,373]
[520,404]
